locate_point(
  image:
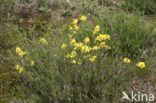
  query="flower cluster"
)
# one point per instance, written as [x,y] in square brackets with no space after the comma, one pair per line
[74,27]
[87,40]
[91,47]
[139,64]
[78,46]
[73,41]
[63,46]
[83,18]
[21,53]
[126,60]
[102,37]
[19,68]
[73,54]
[85,49]
[93,58]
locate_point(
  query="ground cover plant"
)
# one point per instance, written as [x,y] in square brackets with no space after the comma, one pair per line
[90,56]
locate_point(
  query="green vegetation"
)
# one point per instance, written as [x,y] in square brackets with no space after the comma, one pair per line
[80,52]
[141,6]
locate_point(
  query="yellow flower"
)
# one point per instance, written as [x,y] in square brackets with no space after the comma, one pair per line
[63,46]
[68,56]
[76,27]
[32,63]
[87,40]
[75,21]
[85,49]
[73,61]
[73,54]
[73,41]
[97,29]
[95,48]
[102,44]
[83,18]
[18,50]
[78,46]
[107,47]
[70,28]
[126,60]
[17,67]
[93,58]
[20,70]
[22,53]
[102,37]
[43,41]
[141,65]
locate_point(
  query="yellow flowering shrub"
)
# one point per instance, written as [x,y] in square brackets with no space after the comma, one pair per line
[83,57]
[88,46]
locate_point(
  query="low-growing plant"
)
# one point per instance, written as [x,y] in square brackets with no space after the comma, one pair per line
[86,60]
[75,67]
